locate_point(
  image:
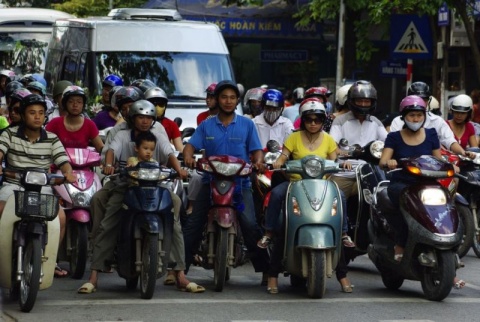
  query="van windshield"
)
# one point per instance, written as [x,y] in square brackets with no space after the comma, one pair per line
[23,52]
[183,76]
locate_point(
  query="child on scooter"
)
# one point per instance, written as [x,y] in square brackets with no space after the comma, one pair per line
[145,144]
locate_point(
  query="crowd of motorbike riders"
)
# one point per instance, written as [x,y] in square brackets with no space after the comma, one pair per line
[306,124]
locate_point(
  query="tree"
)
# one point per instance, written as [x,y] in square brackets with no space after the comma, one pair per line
[85,8]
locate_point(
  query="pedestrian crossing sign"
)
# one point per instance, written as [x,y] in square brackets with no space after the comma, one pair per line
[410,37]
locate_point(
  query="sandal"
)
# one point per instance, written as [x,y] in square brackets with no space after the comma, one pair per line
[59,272]
[264,242]
[347,241]
[459,284]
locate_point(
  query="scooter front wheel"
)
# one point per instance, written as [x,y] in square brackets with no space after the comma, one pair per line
[468,224]
[148,275]
[30,279]
[220,266]
[317,267]
[78,237]
[437,282]
[476,237]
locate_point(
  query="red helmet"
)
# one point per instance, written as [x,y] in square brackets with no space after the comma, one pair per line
[322,92]
[211,89]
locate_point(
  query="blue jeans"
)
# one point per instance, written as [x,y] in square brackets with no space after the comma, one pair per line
[274,215]
[195,223]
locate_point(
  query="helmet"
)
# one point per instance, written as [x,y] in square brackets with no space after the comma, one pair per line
[18,95]
[12,87]
[37,86]
[39,78]
[158,98]
[420,89]
[9,74]
[412,103]
[312,105]
[254,94]
[322,92]
[362,89]
[30,100]
[126,95]
[298,94]
[241,89]
[211,89]
[272,98]
[141,107]
[73,90]
[341,94]
[143,84]
[60,87]
[462,103]
[27,78]
[111,92]
[224,85]
[434,106]
[112,80]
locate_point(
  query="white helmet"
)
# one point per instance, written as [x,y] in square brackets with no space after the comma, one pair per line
[341,94]
[312,106]
[461,103]
[433,104]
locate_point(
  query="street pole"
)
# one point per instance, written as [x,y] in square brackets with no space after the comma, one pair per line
[110,4]
[341,41]
[409,74]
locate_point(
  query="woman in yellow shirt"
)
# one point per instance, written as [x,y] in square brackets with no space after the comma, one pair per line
[310,140]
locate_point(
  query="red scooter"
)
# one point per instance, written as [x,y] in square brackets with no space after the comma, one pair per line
[434,233]
[223,246]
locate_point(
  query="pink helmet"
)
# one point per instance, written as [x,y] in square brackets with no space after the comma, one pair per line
[211,88]
[322,92]
[412,103]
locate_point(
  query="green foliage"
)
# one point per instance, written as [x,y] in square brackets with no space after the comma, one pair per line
[85,8]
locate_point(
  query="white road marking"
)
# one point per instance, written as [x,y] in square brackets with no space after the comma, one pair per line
[99,302]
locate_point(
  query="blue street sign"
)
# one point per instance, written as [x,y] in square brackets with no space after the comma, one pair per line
[410,37]
[443,15]
[393,68]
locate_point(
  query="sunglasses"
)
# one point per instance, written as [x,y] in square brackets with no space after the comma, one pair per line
[310,120]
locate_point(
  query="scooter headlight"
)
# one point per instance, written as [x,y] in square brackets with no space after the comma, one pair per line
[81,198]
[314,167]
[433,197]
[226,169]
[36,178]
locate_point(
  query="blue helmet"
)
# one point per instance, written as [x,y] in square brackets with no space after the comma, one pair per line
[112,80]
[39,78]
[38,87]
[274,98]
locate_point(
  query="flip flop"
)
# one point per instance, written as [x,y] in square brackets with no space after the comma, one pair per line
[459,284]
[170,280]
[87,288]
[60,273]
[192,288]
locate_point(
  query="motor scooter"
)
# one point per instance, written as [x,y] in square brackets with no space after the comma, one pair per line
[222,247]
[75,199]
[368,174]
[312,220]
[469,187]
[433,229]
[144,242]
[29,237]
[464,207]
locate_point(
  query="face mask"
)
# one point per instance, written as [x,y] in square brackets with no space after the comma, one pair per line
[271,116]
[414,126]
[160,110]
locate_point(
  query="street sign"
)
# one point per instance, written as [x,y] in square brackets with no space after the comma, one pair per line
[443,15]
[283,55]
[410,37]
[393,68]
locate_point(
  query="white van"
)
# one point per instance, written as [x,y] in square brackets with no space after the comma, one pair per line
[24,37]
[181,57]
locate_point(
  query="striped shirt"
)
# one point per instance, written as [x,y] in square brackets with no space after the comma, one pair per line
[21,153]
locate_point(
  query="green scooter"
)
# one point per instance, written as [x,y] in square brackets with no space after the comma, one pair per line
[312,219]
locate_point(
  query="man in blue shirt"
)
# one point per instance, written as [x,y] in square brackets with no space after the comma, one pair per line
[225,134]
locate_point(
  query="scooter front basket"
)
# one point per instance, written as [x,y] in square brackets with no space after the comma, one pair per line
[35,204]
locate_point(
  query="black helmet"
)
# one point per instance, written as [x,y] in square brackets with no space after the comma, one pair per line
[73,91]
[30,100]
[226,84]
[420,89]
[18,96]
[362,89]
[12,87]
[143,84]
[126,95]
[111,92]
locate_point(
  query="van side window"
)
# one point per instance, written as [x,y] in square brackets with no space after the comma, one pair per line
[82,70]
[69,69]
